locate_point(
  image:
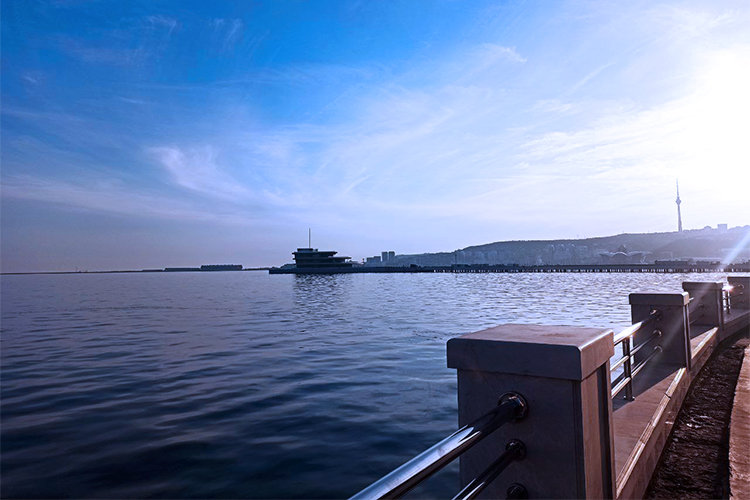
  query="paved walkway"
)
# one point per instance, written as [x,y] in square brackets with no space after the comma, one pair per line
[739,435]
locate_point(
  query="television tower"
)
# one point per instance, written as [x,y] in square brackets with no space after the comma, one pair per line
[679,215]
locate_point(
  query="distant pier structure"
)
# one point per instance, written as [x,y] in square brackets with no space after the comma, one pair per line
[679,215]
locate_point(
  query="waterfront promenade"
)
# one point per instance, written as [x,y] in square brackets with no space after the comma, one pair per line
[698,456]
[584,412]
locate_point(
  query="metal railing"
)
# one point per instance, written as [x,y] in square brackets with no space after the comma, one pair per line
[511,407]
[514,450]
[728,293]
[625,337]
[726,298]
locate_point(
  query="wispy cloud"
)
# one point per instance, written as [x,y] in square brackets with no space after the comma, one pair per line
[167,23]
[131,100]
[453,151]
[65,133]
[491,53]
[231,31]
[116,56]
[197,169]
[112,196]
[34,78]
[583,81]
[127,45]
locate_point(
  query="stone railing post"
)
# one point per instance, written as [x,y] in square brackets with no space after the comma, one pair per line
[741,294]
[674,325]
[563,373]
[706,307]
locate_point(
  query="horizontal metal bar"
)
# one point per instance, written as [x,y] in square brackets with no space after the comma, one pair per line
[616,389]
[640,365]
[618,378]
[412,473]
[655,335]
[514,450]
[632,329]
[617,364]
[628,332]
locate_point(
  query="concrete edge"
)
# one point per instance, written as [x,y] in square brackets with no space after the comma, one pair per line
[739,435]
[635,477]
[705,349]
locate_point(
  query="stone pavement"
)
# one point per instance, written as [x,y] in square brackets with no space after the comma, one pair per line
[739,435]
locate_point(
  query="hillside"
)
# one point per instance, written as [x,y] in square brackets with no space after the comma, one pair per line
[699,244]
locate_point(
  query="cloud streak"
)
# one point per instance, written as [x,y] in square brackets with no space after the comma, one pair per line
[114,197]
[197,170]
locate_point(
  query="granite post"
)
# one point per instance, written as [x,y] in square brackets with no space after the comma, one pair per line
[706,307]
[740,294]
[674,324]
[563,373]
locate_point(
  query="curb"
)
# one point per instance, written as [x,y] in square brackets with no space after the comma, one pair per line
[739,435]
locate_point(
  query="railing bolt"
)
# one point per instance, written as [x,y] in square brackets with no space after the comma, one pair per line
[517,490]
[523,407]
[518,446]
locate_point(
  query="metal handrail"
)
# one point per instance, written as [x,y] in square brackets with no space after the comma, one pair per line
[654,315]
[514,450]
[617,364]
[726,295]
[657,334]
[616,389]
[625,381]
[511,407]
[640,365]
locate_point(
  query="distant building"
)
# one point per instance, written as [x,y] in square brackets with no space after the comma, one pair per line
[314,258]
[221,267]
[721,227]
[388,256]
[373,260]
[622,256]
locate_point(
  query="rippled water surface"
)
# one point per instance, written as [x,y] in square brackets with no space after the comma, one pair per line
[245,385]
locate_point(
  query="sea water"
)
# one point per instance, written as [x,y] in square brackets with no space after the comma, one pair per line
[246,385]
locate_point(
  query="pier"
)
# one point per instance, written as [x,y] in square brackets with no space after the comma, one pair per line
[571,412]
[676,267]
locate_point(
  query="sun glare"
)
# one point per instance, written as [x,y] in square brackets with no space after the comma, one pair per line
[718,114]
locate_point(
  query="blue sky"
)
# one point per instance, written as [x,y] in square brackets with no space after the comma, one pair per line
[153,134]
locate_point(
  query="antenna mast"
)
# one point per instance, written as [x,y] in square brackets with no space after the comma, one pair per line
[309,237]
[678,201]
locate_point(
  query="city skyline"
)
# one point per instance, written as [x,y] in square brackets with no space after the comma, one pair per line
[141,135]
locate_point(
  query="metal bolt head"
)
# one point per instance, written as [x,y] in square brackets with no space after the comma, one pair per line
[523,409]
[517,490]
[518,445]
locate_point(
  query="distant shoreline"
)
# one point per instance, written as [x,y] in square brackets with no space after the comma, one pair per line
[150,271]
[663,267]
